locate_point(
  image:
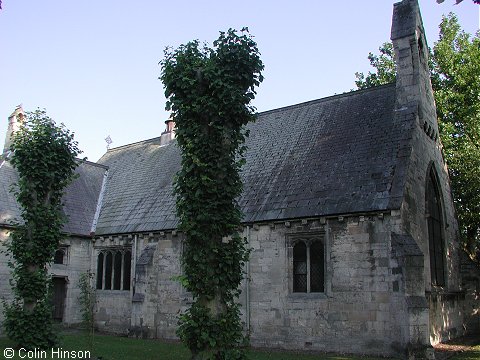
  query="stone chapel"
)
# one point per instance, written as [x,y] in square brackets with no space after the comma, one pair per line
[347,208]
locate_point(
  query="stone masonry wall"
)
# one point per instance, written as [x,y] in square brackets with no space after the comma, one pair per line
[471,285]
[415,107]
[114,307]
[361,308]
[158,297]
[426,154]
[5,290]
[76,261]
[113,311]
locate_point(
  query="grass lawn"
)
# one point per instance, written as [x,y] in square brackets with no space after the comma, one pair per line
[121,348]
[471,355]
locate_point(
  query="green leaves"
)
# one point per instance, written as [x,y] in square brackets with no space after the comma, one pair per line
[456,81]
[209,93]
[44,156]
[87,301]
[202,333]
[30,330]
[384,65]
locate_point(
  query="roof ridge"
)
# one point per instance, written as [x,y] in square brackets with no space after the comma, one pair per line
[151,140]
[305,103]
[92,163]
[309,102]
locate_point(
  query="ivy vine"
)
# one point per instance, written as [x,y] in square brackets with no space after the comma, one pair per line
[44,156]
[87,301]
[209,91]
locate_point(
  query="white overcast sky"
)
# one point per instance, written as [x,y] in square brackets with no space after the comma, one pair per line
[93,64]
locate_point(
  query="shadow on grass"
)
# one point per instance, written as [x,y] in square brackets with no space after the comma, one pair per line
[465,348]
[107,347]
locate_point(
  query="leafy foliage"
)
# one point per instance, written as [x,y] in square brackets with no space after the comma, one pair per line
[459,1]
[456,81]
[455,75]
[209,92]
[44,156]
[87,301]
[384,66]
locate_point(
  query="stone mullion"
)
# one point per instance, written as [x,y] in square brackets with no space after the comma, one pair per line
[122,265]
[104,279]
[114,256]
[308,266]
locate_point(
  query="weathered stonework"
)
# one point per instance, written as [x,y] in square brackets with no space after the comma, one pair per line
[350,185]
[354,312]
[159,296]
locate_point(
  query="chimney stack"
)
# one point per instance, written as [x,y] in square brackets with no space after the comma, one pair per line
[14,122]
[169,134]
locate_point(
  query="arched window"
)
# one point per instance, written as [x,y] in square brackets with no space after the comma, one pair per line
[100,271]
[59,256]
[108,271]
[127,264]
[114,269]
[435,231]
[316,267]
[300,267]
[117,271]
[308,266]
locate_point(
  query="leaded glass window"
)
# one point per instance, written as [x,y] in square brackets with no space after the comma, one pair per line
[435,232]
[114,269]
[308,266]
[300,267]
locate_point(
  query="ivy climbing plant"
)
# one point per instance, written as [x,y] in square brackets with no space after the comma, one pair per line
[87,301]
[209,91]
[44,156]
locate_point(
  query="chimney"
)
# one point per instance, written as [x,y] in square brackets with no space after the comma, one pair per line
[14,122]
[169,134]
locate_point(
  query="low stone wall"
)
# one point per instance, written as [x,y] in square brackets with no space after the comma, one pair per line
[113,311]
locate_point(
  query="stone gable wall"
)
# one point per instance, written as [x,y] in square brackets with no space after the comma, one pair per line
[415,107]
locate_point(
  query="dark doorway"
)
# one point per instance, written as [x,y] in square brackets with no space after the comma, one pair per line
[58,297]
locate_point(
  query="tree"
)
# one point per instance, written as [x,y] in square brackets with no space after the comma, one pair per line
[455,75]
[456,81]
[459,1]
[384,64]
[87,301]
[44,156]
[209,92]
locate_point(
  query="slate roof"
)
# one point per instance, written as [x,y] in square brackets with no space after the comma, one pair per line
[337,155]
[81,197]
